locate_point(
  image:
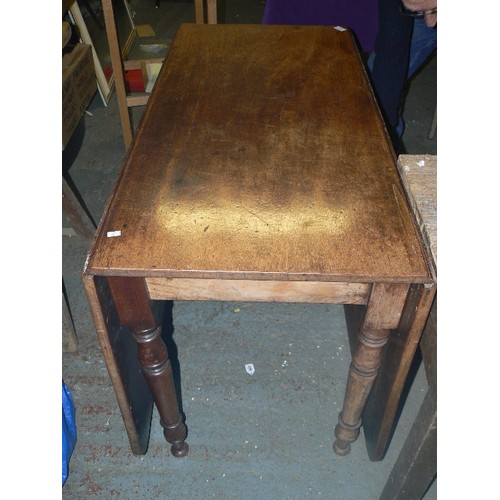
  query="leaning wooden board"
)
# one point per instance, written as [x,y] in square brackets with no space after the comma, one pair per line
[419,176]
[416,465]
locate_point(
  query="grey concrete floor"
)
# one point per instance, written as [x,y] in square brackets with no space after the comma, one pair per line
[266,435]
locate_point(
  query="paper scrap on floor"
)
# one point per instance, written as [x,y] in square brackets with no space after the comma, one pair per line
[153,69]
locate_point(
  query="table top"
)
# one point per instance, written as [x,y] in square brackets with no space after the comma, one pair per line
[261,155]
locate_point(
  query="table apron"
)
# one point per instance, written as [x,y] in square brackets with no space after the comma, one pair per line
[258,291]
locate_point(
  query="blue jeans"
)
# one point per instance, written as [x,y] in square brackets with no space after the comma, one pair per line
[423,43]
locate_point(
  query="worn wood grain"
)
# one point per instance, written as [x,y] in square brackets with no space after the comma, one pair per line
[419,177]
[318,292]
[272,162]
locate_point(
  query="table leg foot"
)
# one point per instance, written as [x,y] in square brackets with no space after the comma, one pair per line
[179,450]
[345,434]
[176,434]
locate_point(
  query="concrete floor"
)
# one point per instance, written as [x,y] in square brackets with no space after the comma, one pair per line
[266,435]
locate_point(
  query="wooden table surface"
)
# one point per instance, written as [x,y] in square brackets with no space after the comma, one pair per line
[261,155]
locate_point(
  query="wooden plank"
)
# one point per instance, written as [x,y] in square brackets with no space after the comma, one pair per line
[419,177]
[120,355]
[379,416]
[137,63]
[137,100]
[119,78]
[212,11]
[144,30]
[417,464]
[428,345]
[198,11]
[103,84]
[257,291]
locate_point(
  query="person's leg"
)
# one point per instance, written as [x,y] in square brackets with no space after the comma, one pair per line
[423,44]
[389,63]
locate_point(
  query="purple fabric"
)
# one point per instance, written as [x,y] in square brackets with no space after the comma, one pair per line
[361,16]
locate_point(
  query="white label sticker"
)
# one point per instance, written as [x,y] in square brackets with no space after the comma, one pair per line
[113,234]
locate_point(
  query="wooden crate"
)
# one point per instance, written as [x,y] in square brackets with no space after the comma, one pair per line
[78,87]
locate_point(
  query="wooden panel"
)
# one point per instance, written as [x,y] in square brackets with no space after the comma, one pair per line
[198,11]
[428,345]
[273,163]
[137,100]
[211,11]
[379,416]
[417,463]
[120,355]
[257,291]
[419,177]
[117,63]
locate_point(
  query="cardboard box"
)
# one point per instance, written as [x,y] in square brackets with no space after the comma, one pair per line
[78,87]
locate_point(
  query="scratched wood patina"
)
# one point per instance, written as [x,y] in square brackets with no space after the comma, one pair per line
[266,161]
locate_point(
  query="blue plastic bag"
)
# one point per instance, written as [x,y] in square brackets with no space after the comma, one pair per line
[68,430]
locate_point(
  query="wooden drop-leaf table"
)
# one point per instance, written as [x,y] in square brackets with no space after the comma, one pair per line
[260,171]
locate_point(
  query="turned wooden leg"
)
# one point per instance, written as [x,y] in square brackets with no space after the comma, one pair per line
[362,372]
[383,313]
[132,303]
